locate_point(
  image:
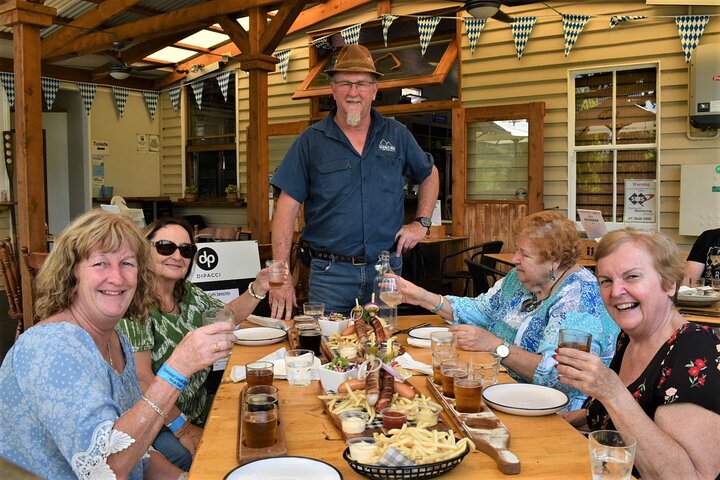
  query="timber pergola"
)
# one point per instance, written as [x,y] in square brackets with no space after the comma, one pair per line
[86,35]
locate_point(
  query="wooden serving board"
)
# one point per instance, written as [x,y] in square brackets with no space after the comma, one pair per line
[246,454]
[489,434]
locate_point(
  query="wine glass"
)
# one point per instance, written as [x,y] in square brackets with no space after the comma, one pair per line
[314,309]
[391,297]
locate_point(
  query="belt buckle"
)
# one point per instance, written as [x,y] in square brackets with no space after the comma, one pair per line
[358,263]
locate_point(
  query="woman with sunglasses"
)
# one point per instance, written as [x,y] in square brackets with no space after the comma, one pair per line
[521,316]
[178,311]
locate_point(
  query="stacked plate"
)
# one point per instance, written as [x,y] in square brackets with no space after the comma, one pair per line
[286,468]
[420,337]
[259,336]
[525,399]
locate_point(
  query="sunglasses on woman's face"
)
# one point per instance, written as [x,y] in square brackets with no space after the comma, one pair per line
[167,248]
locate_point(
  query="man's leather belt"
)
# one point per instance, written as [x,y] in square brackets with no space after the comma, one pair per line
[331,257]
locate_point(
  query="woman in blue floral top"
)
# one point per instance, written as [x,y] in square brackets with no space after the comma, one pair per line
[663,386]
[521,316]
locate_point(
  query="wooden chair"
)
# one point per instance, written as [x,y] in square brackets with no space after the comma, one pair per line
[11,275]
[219,234]
[483,276]
[476,253]
[33,261]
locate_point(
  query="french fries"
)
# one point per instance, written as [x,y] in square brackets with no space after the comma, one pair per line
[421,445]
[357,400]
[336,342]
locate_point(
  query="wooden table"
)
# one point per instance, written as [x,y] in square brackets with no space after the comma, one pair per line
[703,319]
[548,447]
[506,258]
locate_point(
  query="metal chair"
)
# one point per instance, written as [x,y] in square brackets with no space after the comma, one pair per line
[447,277]
[483,276]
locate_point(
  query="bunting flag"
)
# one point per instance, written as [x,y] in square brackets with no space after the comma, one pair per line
[691,28]
[572,26]
[473,28]
[50,87]
[151,101]
[223,80]
[197,88]
[8,83]
[387,20]
[121,96]
[284,57]
[351,35]
[426,28]
[322,43]
[618,19]
[174,94]
[521,30]
[87,92]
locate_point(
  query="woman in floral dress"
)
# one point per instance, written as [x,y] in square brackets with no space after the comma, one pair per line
[663,385]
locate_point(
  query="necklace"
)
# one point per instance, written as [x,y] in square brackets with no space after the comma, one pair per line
[532,304]
[110,355]
[172,310]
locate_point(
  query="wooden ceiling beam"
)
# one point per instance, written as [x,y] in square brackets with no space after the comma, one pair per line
[322,12]
[140,10]
[194,17]
[83,24]
[278,27]
[141,50]
[238,35]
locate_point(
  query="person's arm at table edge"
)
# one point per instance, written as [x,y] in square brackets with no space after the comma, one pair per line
[282,299]
[693,271]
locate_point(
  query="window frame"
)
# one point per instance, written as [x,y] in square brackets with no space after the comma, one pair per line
[614,146]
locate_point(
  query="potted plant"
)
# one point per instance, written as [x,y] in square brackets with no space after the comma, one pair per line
[231,193]
[191,193]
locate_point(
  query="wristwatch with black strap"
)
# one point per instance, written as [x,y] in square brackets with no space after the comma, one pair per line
[425,222]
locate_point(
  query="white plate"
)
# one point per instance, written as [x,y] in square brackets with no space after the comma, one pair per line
[696,300]
[259,336]
[423,333]
[285,468]
[525,399]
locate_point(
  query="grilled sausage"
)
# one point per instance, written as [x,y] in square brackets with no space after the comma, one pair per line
[379,330]
[353,384]
[404,390]
[372,387]
[386,394]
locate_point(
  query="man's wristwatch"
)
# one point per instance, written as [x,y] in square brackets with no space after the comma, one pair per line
[425,222]
[503,350]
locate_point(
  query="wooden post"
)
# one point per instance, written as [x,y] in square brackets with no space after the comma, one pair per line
[27,19]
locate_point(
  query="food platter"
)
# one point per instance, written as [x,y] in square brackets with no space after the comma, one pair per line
[287,468]
[525,399]
[259,336]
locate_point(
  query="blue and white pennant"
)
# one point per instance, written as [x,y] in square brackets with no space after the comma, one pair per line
[426,28]
[351,34]
[691,28]
[174,94]
[284,57]
[151,101]
[121,97]
[50,87]
[473,29]
[616,20]
[572,26]
[87,93]
[322,43]
[197,88]
[224,82]
[387,20]
[521,30]
[8,82]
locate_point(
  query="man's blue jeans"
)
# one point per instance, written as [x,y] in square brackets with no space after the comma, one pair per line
[338,284]
[167,444]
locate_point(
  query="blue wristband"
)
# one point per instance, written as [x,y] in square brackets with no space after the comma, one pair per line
[172,377]
[176,424]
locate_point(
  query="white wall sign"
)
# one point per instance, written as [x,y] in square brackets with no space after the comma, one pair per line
[223,261]
[640,201]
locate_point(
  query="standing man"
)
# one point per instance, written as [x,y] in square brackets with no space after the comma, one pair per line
[348,170]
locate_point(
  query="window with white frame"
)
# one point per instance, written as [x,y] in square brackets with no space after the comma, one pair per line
[613,143]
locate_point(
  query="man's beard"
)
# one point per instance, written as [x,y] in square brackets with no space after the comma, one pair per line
[353,118]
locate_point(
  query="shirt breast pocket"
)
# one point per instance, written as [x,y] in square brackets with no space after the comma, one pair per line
[390,175]
[333,176]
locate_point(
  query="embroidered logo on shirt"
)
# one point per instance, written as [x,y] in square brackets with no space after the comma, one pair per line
[386,146]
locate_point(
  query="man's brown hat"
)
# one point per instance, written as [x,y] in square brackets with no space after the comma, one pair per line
[354,59]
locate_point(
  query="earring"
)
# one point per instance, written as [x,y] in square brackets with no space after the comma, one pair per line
[552,275]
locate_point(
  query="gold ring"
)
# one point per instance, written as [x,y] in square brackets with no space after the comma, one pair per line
[216,347]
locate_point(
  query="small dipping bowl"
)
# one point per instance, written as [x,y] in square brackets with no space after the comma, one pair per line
[427,417]
[362,449]
[354,423]
[393,418]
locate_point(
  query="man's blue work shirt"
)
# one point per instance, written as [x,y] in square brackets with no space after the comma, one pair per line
[354,204]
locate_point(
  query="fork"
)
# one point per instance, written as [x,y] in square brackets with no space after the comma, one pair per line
[406,330]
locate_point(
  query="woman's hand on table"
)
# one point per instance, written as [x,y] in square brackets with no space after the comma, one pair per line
[587,373]
[472,338]
[189,436]
[203,347]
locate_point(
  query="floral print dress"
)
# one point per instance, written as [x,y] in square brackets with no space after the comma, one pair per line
[686,369]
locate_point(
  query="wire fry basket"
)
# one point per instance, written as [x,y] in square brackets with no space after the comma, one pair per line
[412,472]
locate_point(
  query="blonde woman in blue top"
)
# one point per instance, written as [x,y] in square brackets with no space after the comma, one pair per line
[521,316]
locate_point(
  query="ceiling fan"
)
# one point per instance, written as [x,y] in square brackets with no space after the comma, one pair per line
[491,8]
[119,69]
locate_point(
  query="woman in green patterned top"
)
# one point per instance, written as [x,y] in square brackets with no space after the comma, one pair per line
[178,311]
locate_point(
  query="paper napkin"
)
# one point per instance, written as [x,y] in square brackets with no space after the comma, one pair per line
[267,322]
[238,374]
[409,363]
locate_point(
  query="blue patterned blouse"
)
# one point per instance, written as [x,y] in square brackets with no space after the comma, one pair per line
[575,303]
[59,400]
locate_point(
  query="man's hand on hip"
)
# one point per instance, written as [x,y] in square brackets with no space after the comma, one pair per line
[408,236]
[282,301]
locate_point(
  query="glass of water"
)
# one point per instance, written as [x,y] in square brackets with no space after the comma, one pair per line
[314,309]
[215,315]
[298,366]
[612,454]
